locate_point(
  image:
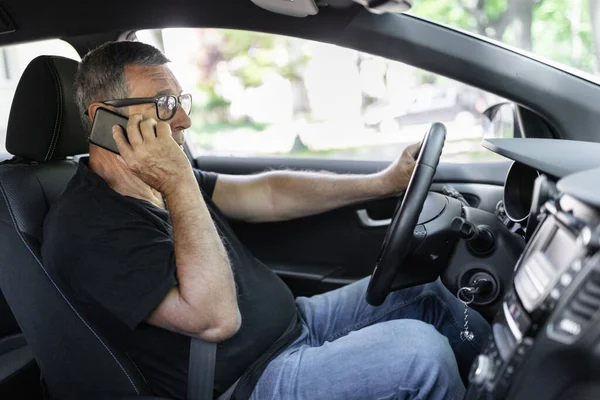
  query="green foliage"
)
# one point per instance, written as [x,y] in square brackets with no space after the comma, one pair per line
[238,42]
[211,101]
[495,9]
[257,54]
[445,11]
[551,30]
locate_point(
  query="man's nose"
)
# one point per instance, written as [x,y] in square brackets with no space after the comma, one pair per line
[181,121]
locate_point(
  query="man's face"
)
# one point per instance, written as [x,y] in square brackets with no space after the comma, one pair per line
[152,82]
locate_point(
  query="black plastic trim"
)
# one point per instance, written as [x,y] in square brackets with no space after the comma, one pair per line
[491,173]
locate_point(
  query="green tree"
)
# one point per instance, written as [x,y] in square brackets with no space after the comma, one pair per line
[594,12]
[249,57]
[564,31]
[489,18]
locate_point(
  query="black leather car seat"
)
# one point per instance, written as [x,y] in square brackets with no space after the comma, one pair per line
[44,132]
[19,373]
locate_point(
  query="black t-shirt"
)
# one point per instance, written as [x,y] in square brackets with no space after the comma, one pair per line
[115,255]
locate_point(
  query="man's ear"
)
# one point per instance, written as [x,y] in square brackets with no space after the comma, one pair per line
[91,111]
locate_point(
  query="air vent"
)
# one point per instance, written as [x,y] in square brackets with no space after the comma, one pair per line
[587,302]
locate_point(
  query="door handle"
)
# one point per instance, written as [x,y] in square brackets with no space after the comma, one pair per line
[367,221]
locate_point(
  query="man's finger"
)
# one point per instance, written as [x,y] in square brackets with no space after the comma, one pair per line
[133,130]
[122,144]
[147,129]
[163,130]
[413,149]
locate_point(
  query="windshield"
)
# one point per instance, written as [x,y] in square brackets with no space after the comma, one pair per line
[564,31]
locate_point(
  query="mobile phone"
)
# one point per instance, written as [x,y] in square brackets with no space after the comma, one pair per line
[101,133]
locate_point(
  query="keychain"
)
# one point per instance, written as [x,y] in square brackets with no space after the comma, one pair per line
[466,335]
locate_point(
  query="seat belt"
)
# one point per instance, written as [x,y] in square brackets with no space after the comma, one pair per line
[201,370]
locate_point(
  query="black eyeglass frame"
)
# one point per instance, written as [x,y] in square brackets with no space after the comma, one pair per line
[133,101]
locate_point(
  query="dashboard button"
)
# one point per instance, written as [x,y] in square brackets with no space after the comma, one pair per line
[590,239]
[420,231]
[482,370]
[522,351]
[569,327]
[566,279]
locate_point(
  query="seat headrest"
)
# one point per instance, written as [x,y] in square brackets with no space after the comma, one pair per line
[44,122]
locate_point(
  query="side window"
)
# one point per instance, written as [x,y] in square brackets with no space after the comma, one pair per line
[259,94]
[13,61]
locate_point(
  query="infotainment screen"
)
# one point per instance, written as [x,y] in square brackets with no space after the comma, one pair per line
[549,254]
[560,250]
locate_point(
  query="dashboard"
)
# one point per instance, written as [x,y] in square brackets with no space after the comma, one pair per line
[552,158]
[545,341]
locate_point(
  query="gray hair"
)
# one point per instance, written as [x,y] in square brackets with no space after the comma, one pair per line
[101,74]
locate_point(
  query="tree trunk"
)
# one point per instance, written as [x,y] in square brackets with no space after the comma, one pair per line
[595,18]
[576,42]
[523,18]
[518,15]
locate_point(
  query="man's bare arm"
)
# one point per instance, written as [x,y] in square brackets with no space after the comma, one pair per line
[283,195]
[204,304]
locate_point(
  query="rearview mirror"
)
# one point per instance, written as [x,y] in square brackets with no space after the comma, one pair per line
[386,6]
[502,121]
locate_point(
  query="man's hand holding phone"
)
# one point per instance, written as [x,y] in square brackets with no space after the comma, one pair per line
[152,154]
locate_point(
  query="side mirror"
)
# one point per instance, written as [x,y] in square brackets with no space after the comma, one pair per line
[503,121]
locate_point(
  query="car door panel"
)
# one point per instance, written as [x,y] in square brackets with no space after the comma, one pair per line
[326,251]
[492,173]
[307,251]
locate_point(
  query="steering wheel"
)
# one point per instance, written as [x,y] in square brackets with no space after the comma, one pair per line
[396,244]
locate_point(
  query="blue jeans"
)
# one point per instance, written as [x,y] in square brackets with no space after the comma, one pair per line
[407,348]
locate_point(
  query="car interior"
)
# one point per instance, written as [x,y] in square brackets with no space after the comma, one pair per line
[519,238]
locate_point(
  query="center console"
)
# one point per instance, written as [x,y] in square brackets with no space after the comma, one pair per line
[546,337]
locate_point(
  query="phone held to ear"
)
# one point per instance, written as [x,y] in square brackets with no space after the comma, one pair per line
[101,133]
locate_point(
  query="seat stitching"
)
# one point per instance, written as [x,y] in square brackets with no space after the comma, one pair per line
[60,291]
[58,120]
[139,371]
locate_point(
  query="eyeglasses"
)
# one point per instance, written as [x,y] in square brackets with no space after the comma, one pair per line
[166,106]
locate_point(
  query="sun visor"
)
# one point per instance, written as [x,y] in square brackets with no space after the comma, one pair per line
[294,8]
